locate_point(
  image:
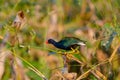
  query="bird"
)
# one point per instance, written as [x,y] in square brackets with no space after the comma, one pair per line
[67,43]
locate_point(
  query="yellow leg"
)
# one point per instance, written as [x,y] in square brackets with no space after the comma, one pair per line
[75,50]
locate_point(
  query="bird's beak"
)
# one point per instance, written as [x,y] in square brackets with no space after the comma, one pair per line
[46,42]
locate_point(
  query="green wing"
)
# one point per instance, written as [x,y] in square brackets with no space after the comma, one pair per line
[68,41]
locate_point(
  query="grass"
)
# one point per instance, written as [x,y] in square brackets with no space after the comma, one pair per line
[93,21]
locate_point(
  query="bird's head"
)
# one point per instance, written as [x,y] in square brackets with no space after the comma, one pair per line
[50,41]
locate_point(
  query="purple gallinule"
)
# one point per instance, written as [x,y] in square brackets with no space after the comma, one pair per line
[67,43]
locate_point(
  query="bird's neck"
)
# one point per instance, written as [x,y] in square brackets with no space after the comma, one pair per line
[54,43]
[57,44]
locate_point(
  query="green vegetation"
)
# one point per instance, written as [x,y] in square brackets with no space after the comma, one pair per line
[25,56]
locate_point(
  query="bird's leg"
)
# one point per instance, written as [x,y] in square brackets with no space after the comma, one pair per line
[69,56]
[75,50]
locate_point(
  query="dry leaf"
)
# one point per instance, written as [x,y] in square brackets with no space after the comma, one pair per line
[2,62]
[19,20]
[70,76]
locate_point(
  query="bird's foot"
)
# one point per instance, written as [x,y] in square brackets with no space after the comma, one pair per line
[69,56]
[75,51]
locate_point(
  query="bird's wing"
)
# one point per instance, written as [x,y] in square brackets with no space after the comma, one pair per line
[65,42]
[68,41]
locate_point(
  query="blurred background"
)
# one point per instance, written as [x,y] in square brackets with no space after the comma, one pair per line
[95,21]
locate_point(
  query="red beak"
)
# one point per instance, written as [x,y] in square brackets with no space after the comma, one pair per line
[46,42]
